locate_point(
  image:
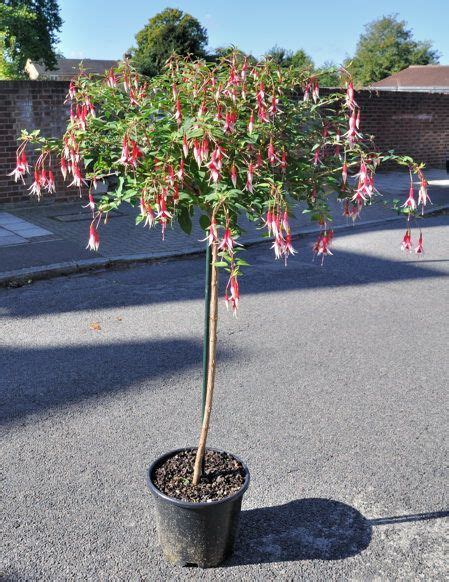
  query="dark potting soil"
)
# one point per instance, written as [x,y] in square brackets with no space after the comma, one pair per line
[223,476]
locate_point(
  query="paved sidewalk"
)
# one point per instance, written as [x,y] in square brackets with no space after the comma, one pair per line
[39,240]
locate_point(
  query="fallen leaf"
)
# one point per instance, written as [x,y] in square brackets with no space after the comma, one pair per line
[95,326]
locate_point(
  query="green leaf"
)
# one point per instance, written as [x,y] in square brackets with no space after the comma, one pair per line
[185,222]
[220,264]
[204,221]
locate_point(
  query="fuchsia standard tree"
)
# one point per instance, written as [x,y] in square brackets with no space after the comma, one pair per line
[227,139]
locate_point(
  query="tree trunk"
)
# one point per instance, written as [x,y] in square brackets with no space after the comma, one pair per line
[213,318]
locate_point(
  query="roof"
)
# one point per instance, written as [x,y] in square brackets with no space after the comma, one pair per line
[69,67]
[431,78]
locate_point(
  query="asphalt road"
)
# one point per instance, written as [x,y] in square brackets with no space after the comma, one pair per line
[332,385]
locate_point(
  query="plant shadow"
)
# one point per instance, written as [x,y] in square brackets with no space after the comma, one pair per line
[309,529]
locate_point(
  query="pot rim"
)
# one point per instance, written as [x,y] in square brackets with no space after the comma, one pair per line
[192,504]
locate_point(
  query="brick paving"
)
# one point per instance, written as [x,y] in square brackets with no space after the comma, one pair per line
[66,228]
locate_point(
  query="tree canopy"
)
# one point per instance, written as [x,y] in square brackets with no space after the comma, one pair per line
[171,30]
[28,30]
[386,47]
[286,58]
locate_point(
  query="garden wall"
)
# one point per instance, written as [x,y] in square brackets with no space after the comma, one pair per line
[413,123]
[29,105]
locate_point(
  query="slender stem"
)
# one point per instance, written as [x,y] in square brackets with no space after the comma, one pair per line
[213,318]
[206,328]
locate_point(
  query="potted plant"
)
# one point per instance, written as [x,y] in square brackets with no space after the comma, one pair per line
[218,141]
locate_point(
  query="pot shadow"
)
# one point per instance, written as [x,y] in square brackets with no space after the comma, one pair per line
[308,529]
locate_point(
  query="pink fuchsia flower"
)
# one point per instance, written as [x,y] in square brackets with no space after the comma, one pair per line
[410,202]
[315,90]
[249,178]
[406,244]
[261,95]
[352,134]
[273,109]
[72,89]
[227,242]
[234,175]
[94,240]
[180,173]
[350,103]
[163,216]
[212,235]
[344,174]
[214,171]
[197,154]
[124,158]
[271,154]
[423,194]
[289,250]
[283,162]
[21,168]
[269,222]
[147,212]
[63,165]
[111,79]
[232,294]
[251,123]
[419,249]
[50,182]
[178,112]
[323,243]
[77,177]
[185,146]
[262,114]
[230,121]
[35,187]
[204,148]
[91,203]
[316,157]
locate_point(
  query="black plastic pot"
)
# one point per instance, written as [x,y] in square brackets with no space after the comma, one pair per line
[196,534]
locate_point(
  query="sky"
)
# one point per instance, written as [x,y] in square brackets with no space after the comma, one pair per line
[326,29]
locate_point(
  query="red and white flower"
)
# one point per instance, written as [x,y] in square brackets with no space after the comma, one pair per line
[94,240]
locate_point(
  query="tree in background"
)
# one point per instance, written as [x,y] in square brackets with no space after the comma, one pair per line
[387,47]
[329,74]
[286,58]
[171,30]
[28,30]
[301,60]
[280,56]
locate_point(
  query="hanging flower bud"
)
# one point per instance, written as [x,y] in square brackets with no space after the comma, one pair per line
[185,146]
[423,194]
[63,168]
[234,175]
[178,112]
[249,179]
[271,154]
[344,173]
[251,123]
[94,239]
[406,244]
[233,288]
[419,249]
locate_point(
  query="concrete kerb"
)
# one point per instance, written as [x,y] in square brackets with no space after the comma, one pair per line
[27,275]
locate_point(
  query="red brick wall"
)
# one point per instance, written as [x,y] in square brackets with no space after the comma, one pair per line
[412,123]
[29,105]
